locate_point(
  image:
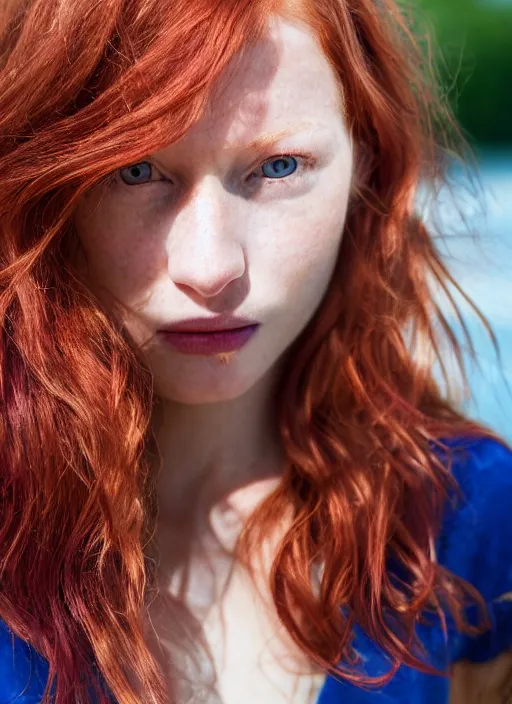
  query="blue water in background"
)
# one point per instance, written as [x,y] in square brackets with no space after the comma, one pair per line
[483,267]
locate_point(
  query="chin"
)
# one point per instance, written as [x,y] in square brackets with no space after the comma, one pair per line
[193,380]
[200,389]
[192,396]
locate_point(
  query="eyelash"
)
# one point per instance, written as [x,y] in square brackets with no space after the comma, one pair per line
[309,160]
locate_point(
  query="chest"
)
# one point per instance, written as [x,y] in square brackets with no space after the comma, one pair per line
[223,644]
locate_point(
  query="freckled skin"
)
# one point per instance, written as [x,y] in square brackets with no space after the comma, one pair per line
[226,357]
[204,238]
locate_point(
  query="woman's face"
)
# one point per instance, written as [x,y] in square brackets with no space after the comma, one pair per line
[210,225]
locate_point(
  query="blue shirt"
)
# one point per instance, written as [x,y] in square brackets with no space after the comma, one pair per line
[475,543]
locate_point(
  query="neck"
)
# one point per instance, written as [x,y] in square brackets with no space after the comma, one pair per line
[216,456]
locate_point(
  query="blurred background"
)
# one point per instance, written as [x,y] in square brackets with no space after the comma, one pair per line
[472,53]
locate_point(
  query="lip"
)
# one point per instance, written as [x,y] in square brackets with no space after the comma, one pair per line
[209,343]
[221,323]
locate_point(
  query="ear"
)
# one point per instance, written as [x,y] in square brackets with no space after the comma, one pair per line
[482,683]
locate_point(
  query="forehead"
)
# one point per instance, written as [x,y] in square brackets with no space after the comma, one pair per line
[282,81]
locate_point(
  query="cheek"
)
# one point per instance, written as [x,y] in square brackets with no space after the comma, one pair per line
[303,268]
[301,254]
[121,253]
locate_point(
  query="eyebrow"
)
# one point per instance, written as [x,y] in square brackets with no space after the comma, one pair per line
[268,140]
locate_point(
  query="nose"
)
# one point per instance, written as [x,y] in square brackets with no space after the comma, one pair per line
[204,247]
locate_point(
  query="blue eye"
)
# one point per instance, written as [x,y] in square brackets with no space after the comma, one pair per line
[283,167]
[136,174]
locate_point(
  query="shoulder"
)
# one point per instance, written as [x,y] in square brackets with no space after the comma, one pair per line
[482,462]
[475,542]
[476,536]
[23,672]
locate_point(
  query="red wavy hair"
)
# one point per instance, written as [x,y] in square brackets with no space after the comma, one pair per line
[88,88]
